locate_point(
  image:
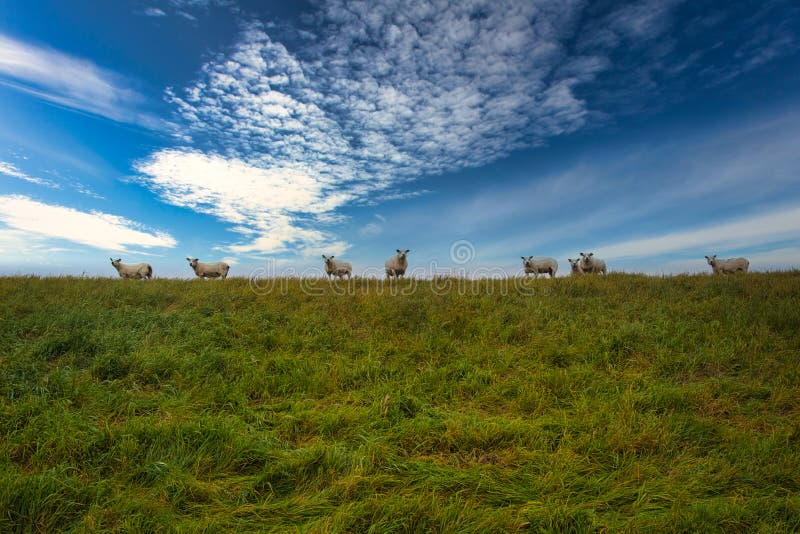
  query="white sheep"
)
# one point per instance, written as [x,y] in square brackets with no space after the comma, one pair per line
[133,270]
[577,270]
[337,267]
[209,270]
[590,264]
[396,265]
[729,266]
[539,266]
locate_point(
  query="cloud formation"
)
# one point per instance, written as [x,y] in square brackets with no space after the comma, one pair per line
[363,98]
[154,12]
[744,232]
[259,201]
[385,94]
[71,82]
[38,221]
[9,169]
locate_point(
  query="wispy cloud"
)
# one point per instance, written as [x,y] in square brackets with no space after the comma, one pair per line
[71,82]
[398,195]
[636,190]
[375,95]
[262,203]
[16,244]
[372,228]
[154,12]
[375,100]
[743,232]
[46,222]
[9,169]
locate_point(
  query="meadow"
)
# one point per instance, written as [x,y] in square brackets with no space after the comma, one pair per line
[617,403]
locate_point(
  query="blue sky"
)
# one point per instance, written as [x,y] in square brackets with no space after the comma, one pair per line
[652,132]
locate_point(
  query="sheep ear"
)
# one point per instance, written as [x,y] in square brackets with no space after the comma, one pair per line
[407,251]
[323,257]
[399,251]
[331,257]
[523,258]
[582,254]
[591,254]
[188,258]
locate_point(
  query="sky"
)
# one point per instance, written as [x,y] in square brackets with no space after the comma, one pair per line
[473,132]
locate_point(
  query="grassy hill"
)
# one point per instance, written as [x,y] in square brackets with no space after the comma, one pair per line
[617,403]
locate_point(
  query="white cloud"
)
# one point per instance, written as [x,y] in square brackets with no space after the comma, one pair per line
[85,190]
[383,94]
[9,169]
[154,12]
[205,4]
[70,81]
[370,229]
[779,258]
[398,195]
[42,222]
[17,243]
[371,95]
[744,232]
[271,206]
[643,19]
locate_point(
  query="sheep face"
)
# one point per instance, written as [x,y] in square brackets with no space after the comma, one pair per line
[711,259]
[117,262]
[193,262]
[401,254]
[328,260]
[526,261]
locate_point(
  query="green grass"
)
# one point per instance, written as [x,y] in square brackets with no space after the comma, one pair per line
[618,403]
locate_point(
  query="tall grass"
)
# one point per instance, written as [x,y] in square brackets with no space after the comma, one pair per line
[624,402]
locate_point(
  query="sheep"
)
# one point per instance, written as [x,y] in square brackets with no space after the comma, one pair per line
[209,270]
[590,264]
[729,266]
[396,265]
[337,268]
[577,270]
[133,270]
[539,266]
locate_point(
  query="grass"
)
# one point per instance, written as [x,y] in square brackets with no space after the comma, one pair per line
[618,403]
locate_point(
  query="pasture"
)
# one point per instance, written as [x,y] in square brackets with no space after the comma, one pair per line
[624,403]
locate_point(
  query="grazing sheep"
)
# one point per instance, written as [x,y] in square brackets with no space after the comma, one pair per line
[539,266]
[590,264]
[337,268]
[209,270]
[396,265]
[729,266]
[133,270]
[577,270]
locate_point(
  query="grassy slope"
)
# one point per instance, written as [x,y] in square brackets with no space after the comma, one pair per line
[623,402]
